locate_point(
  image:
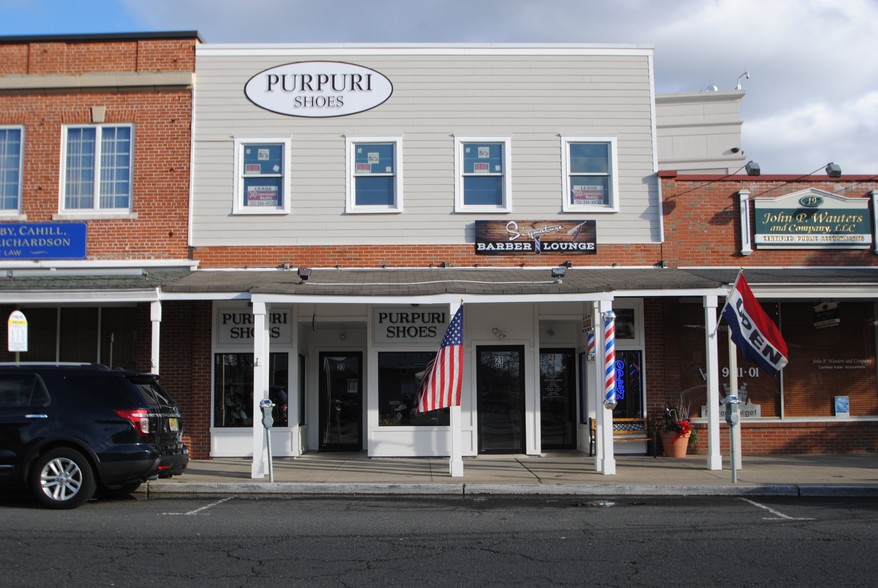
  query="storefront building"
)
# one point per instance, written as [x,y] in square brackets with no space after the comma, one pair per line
[95,141]
[348,199]
[807,247]
[305,220]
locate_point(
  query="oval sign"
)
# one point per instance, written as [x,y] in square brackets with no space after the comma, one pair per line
[318,89]
[811,201]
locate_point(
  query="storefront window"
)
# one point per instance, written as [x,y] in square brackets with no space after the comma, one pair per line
[233,389]
[399,377]
[829,357]
[82,334]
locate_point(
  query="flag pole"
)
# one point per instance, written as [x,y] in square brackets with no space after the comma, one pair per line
[455,460]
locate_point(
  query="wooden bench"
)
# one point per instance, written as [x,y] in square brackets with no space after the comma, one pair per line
[624,429]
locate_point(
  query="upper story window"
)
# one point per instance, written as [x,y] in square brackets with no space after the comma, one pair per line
[98,163]
[11,146]
[590,175]
[262,176]
[483,179]
[374,175]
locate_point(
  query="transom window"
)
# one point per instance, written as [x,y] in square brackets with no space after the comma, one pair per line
[10,168]
[483,179]
[97,168]
[589,175]
[262,169]
[374,175]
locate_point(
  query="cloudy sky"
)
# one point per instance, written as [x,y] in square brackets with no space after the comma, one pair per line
[812,96]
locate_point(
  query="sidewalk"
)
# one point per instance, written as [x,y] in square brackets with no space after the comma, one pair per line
[550,474]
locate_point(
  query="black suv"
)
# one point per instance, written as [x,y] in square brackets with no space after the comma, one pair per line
[71,430]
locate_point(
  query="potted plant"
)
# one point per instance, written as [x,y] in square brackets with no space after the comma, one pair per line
[675,430]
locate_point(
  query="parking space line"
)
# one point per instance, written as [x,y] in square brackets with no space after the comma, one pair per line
[779,515]
[199,510]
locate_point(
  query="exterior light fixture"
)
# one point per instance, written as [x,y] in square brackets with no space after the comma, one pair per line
[752,168]
[833,170]
[304,273]
[559,272]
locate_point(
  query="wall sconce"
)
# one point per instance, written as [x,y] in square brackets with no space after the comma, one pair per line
[498,333]
[304,273]
[833,170]
[752,168]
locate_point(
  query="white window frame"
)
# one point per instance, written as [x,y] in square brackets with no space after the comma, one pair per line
[238,206]
[459,201]
[612,174]
[351,206]
[16,212]
[95,210]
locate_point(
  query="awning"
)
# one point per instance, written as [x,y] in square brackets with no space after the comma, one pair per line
[439,281]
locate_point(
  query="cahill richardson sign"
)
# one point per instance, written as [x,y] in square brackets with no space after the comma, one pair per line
[516,237]
[318,89]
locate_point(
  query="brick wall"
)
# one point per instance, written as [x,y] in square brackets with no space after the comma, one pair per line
[79,57]
[703,227]
[414,256]
[161,121]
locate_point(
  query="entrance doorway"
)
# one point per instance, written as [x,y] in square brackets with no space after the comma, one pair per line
[500,398]
[341,401]
[557,399]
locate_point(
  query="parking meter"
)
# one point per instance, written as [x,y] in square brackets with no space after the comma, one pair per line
[733,410]
[266,405]
[733,417]
[267,420]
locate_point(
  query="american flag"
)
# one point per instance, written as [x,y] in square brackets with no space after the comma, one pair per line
[443,377]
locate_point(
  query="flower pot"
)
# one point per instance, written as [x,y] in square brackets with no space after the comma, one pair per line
[674,444]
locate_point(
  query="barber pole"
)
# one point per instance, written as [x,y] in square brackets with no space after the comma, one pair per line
[610,359]
[590,345]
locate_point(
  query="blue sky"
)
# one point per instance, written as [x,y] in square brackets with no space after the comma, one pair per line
[812,96]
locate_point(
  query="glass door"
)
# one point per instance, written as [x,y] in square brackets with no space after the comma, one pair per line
[557,398]
[341,401]
[500,399]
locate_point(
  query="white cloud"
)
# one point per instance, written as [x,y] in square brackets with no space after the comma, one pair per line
[813,63]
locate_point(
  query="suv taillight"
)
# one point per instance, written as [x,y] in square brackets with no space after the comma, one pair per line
[139,418]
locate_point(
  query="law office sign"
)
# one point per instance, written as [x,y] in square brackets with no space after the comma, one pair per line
[518,237]
[812,219]
[42,240]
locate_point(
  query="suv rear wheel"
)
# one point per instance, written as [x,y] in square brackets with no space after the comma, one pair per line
[62,478]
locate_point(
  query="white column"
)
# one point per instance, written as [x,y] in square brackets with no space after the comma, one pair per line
[714,457]
[455,460]
[155,315]
[260,387]
[608,459]
[744,201]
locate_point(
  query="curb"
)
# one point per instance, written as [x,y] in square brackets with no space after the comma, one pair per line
[158,490]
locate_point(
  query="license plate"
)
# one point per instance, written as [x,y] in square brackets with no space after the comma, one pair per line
[173,424]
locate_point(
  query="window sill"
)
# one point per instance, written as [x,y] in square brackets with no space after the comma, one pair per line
[94,215]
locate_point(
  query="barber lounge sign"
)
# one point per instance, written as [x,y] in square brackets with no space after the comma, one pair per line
[318,89]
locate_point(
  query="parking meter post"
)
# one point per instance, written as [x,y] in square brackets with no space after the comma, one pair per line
[267,421]
[733,417]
